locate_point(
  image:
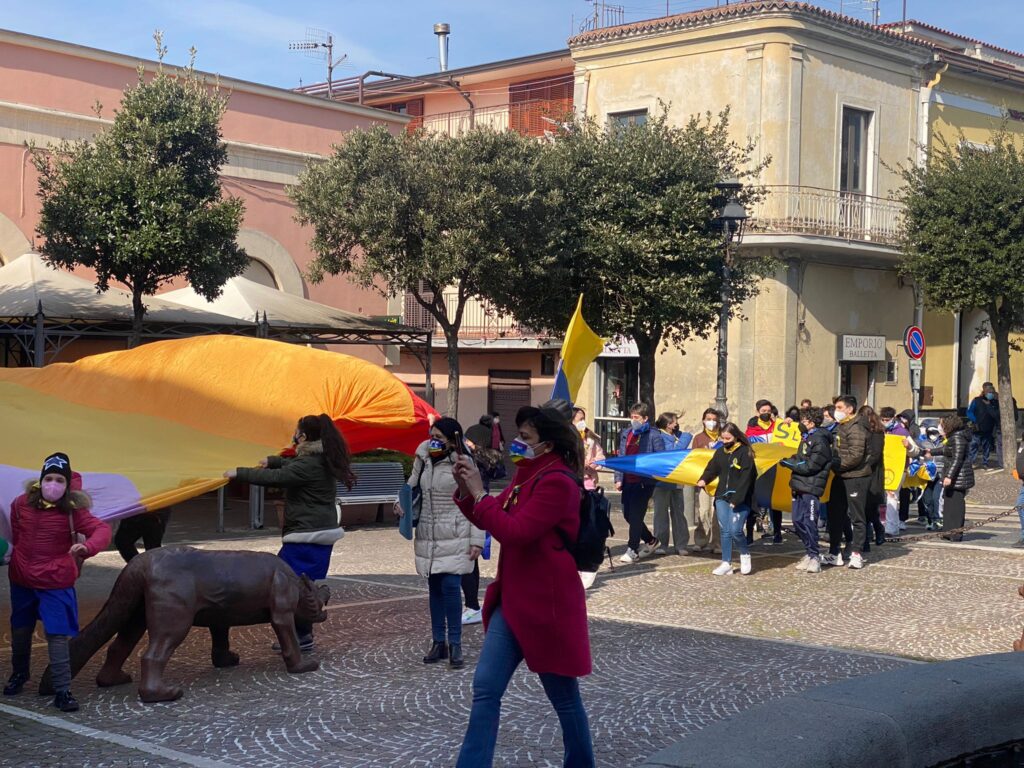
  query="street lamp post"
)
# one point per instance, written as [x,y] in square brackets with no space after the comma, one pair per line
[730,220]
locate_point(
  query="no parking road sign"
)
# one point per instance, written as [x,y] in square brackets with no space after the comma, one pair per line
[913,342]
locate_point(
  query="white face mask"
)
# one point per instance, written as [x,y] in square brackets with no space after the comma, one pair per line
[581,426]
[711,426]
[637,424]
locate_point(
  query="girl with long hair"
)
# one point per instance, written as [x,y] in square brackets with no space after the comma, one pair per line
[876,492]
[310,481]
[733,467]
[535,610]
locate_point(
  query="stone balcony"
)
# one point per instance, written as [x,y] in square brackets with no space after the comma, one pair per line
[827,213]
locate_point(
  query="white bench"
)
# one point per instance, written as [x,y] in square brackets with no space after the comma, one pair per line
[376,483]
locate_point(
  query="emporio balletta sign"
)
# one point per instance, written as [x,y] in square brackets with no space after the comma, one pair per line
[865,349]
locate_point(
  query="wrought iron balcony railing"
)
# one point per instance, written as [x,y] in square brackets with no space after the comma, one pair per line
[827,213]
[480,320]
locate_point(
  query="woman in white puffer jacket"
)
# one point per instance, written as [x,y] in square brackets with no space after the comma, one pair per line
[446,543]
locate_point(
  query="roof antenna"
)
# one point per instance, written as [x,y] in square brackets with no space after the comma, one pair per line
[319,44]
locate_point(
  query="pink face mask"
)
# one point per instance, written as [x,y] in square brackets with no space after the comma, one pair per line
[52,490]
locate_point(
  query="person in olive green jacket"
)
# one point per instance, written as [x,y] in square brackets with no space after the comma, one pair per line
[310,482]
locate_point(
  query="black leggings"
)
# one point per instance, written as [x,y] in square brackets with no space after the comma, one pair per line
[471,586]
[149,526]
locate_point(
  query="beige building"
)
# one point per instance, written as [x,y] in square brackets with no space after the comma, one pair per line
[975,89]
[835,104]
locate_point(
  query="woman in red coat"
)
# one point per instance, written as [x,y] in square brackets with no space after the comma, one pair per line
[535,609]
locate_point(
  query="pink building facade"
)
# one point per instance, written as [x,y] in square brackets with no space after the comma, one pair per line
[48,90]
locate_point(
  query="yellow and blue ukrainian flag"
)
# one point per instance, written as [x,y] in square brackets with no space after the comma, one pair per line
[579,349]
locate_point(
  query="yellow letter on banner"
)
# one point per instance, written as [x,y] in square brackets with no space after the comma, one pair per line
[894,458]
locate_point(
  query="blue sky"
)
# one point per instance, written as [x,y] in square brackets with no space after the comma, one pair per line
[248,39]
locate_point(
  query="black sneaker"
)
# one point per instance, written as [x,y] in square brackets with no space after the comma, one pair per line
[306,643]
[65,702]
[15,683]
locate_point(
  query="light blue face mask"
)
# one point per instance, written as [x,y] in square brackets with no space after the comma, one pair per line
[990,395]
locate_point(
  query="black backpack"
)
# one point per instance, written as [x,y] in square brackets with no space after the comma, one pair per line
[590,547]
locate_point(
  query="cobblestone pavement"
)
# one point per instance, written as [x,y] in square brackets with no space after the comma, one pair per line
[674,648]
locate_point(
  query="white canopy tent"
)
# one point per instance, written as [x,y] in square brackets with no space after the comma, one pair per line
[43,309]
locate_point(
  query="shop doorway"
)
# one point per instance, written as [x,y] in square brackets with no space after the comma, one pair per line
[507,392]
[858,379]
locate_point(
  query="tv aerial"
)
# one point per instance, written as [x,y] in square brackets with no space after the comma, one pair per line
[319,44]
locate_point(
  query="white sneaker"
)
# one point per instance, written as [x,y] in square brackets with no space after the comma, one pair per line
[629,556]
[903,525]
[836,560]
[804,562]
[648,549]
[856,561]
[725,569]
[587,577]
[472,616]
[745,565]
[813,566]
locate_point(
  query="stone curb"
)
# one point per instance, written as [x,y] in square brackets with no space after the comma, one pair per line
[914,717]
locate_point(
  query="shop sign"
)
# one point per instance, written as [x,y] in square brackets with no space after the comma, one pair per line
[861,349]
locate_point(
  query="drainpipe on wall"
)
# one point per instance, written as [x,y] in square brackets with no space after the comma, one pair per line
[923,141]
[957,329]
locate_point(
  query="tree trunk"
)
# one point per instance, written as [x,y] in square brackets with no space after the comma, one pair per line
[1007,413]
[138,313]
[647,348]
[451,337]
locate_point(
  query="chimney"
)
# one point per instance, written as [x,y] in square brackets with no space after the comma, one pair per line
[442,30]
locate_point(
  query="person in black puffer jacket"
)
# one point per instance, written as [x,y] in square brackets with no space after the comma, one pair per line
[959,477]
[810,467]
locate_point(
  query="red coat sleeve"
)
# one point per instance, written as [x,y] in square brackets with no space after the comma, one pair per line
[97,532]
[534,516]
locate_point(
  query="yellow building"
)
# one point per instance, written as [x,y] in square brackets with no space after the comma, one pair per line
[976,88]
[835,103]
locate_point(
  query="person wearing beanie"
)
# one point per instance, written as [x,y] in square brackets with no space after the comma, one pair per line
[52,532]
[446,545]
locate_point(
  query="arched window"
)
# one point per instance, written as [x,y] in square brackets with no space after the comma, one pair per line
[257,272]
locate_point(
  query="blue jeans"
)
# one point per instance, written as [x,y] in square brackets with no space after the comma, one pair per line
[731,520]
[1020,510]
[499,658]
[446,607]
[985,442]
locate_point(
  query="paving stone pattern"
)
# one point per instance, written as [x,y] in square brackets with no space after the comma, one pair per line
[674,649]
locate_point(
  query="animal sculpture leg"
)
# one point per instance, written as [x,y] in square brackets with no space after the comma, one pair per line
[162,644]
[112,672]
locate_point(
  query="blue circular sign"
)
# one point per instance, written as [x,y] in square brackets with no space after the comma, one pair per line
[913,341]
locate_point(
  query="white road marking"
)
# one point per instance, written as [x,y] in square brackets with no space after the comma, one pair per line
[113,738]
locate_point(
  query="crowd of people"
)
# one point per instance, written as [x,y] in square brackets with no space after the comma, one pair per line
[535,609]
[837,482]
